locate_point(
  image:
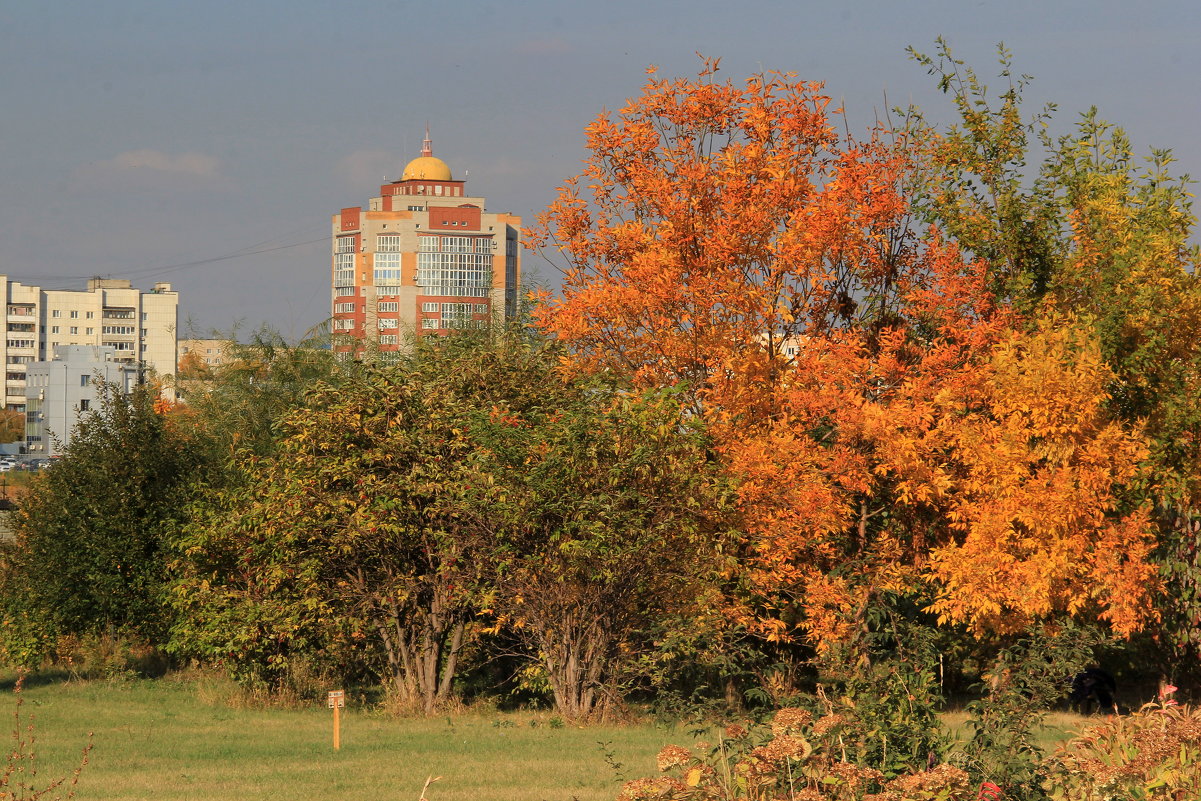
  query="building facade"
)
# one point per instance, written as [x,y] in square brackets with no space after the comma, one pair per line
[140,327]
[58,390]
[423,258]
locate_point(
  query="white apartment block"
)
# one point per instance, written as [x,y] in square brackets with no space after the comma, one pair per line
[139,326]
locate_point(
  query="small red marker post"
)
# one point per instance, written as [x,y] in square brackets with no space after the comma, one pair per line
[337,700]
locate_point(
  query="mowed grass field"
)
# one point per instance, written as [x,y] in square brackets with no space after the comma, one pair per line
[187,738]
[169,740]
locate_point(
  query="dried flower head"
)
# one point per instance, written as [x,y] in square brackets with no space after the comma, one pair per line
[673,756]
[790,720]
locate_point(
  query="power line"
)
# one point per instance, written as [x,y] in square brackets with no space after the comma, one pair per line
[162,269]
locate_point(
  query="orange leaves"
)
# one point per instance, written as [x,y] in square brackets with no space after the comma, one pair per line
[885,425]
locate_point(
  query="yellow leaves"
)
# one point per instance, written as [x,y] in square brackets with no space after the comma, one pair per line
[1040,498]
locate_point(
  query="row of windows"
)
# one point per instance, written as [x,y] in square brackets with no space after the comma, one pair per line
[387,243]
[343,291]
[389,339]
[343,308]
[111,314]
[434,323]
[389,306]
[387,322]
[455,244]
[389,291]
[345,244]
[471,308]
[22,343]
[118,329]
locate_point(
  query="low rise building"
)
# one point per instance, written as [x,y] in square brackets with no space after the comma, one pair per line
[58,390]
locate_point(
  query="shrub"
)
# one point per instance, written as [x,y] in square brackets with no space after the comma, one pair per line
[797,757]
[1153,754]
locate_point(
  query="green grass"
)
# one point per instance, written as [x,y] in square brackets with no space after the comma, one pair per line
[174,739]
[170,739]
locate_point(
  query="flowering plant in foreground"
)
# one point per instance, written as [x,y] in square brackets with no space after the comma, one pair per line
[1151,755]
[798,757]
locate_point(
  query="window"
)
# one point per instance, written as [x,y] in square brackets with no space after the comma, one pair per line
[85,380]
[74,329]
[90,331]
[388,339]
[344,261]
[387,273]
[455,266]
[74,315]
[431,307]
[90,315]
[387,243]
[386,323]
[56,313]
[343,308]
[145,316]
[84,405]
[390,306]
[116,329]
[344,291]
[21,343]
[430,322]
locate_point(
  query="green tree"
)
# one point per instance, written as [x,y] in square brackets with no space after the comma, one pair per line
[599,525]
[89,554]
[347,537]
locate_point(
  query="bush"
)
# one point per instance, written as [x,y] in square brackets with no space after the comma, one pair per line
[797,757]
[1153,754]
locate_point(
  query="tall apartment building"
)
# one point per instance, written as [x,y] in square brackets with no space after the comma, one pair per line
[139,326]
[423,258]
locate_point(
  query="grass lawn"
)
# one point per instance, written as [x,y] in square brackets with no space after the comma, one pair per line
[175,739]
[172,739]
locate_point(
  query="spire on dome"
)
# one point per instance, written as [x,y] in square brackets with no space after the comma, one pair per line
[426,166]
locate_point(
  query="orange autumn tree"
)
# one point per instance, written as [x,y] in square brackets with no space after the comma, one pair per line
[728,238]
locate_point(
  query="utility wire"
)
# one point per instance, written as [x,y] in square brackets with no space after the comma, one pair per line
[162,269]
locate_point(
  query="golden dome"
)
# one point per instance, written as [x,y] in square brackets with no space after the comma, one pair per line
[426,166]
[430,168]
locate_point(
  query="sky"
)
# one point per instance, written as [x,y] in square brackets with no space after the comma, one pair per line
[207,143]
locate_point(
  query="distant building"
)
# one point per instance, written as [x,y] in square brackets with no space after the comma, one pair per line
[195,354]
[140,327]
[59,390]
[423,258]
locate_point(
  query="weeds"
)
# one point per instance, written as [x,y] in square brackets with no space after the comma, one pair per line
[19,777]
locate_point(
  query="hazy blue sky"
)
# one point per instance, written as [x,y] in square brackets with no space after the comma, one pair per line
[142,134]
